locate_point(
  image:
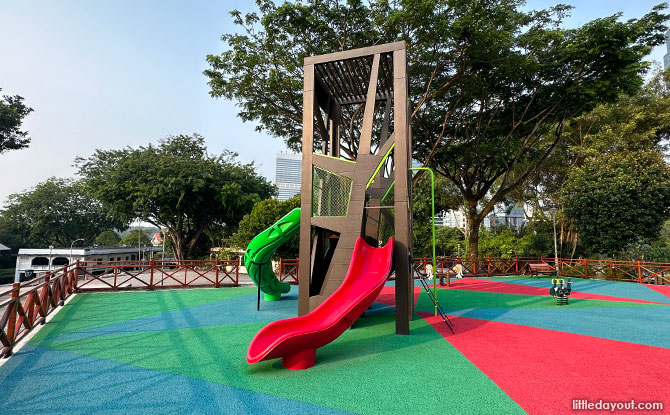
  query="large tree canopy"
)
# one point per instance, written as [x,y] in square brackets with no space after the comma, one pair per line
[491,85]
[57,211]
[261,217]
[176,185]
[618,198]
[12,113]
[639,122]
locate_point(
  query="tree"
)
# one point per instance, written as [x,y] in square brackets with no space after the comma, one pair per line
[262,216]
[57,211]
[107,238]
[176,185]
[136,237]
[617,199]
[492,86]
[639,122]
[445,198]
[12,113]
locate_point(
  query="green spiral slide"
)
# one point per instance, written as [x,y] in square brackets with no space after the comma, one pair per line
[259,252]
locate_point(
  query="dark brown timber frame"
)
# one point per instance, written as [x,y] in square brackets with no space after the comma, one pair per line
[366,75]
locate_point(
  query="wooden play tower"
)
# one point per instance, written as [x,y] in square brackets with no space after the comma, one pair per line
[365,190]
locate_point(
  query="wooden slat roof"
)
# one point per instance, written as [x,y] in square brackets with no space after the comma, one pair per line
[346,80]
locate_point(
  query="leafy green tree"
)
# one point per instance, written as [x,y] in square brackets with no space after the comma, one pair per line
[504,243]
[107,238]
[636,122]
[176,185]
[12,113]
[135,237]
[492,86]
[618,198]
[57,211]
[450,242]
[446,197]
[262,216]
[539,233]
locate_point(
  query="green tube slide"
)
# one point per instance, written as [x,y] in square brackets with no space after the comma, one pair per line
[259,252]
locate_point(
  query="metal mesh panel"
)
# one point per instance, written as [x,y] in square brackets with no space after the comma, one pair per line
[330,193]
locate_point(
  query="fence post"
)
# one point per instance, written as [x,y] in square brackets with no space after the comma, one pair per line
[237,271]
[280,267]
[488,266]
[11,322]
[45,299]
[639,273]
[216,273]
[76,276]
[517,266]
[151,275]
[586,269]
[66,281]
[611,272]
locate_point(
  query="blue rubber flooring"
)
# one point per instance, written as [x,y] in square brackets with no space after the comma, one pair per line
[641,325]
[612,288]
[51,382]
[236,310]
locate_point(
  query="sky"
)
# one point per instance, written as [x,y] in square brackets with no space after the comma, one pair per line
[112,74]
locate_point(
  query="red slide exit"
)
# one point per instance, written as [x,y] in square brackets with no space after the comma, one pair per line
[296,339]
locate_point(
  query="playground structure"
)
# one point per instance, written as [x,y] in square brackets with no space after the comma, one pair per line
[352,201]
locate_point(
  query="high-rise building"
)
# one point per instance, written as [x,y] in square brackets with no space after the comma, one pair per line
[666,58]
[287,175]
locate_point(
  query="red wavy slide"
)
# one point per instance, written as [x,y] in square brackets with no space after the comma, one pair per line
[296,339]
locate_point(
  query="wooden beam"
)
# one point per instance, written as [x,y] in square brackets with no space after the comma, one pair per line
[404,294]
[368,115]
[306,189]
[355,53]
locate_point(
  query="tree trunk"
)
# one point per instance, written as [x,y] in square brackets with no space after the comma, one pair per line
[474,219]
[178,246]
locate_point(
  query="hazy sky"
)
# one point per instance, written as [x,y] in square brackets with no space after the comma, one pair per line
[111,74]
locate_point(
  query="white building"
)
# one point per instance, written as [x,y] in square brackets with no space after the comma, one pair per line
[513,219]
[287,175]
[34,262]
[451,218]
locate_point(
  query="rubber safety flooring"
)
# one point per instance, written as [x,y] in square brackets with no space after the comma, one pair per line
[514,351]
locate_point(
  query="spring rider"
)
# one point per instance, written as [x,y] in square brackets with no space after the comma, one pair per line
[560,290]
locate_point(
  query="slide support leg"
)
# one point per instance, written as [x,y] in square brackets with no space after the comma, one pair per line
[303,359]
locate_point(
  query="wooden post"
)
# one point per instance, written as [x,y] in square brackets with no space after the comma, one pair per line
[280,267]
[216,273]
[237,271]
[639,273]
[586,269]
[76,276]
[11,322]
[151,275]
[306,186]
[404,289]
[517,266]
[44,298]
[611,272]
